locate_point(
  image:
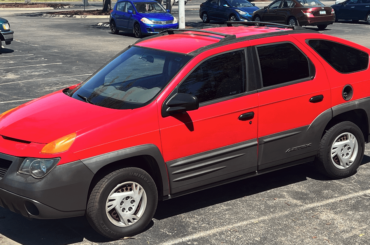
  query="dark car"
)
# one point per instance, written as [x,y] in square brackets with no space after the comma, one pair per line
[354,10]
[297,12]
[6,35]
[141,17]
[223,10]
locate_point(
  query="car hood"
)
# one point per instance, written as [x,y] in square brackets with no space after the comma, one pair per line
[158,16]
[248,9]
[3,21]
[54,116]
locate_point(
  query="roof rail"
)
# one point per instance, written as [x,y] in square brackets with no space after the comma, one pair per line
[258,23]
[226,36]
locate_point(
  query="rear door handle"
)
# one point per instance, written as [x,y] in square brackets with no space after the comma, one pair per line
[317,98]
[246,116]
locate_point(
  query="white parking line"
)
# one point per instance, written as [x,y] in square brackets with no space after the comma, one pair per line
[36,79]
[247,222]
[3,68]
[10,101]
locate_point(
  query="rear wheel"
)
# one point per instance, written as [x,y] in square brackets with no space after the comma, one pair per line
[1,46]
[368,18]
[137,31]
[292,21]
[257,18]
[233,18]
[322,27]
[341,150]
[205,17]
[122,203]
[113,27]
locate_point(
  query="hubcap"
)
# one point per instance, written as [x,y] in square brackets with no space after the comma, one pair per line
[232,18]
[368,19]
[344,150]
[137,30]
[126,204]
[257,19]
[112,27]
[292,22]
[205,17]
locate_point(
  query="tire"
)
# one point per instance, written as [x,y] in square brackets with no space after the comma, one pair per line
[1,46]
[257,18]
[205,17]
[232,18]
[113,27]
[110,223]
[332,165]
[292,21]
[368,18]
[322,27]
[137,31]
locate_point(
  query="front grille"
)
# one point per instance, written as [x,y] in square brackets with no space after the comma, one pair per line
[162,22]
[4,166]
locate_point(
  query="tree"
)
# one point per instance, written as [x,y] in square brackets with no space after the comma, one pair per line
[107,5]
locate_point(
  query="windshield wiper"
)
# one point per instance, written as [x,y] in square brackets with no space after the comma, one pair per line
[85,98]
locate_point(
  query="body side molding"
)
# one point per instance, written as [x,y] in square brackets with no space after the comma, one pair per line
[97,162]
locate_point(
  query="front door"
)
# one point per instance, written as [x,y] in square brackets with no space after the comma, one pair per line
[218,141]
[119,16]
[294,103]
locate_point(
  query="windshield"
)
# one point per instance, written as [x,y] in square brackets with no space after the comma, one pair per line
[151,7]
[132,79]
[310,3]
[239,3]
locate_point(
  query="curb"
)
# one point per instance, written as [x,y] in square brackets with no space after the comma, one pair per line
[76,16]
[65,7]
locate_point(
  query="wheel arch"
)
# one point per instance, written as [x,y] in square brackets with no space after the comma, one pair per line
[2,37]
[147,157]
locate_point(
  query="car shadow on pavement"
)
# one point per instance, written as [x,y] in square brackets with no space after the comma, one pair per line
[75,230]
[6,51]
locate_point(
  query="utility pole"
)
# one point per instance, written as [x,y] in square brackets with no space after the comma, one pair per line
[181,14]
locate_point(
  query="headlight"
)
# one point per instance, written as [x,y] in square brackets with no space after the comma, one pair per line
[146,21]
[6,26]
[240,12]
[174,20]
[37,167]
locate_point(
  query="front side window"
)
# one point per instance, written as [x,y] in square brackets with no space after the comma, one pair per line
[240,3]
[281,63]
[131,80]
[129,7]
[217,77]
[341,57]
[149,7]
[275,5]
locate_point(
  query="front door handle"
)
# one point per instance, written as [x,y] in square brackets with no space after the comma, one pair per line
[317,98]
[246,116]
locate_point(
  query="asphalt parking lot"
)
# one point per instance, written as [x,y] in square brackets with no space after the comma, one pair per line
[291,206]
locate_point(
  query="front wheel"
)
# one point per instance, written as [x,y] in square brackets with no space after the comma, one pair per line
[122,203]
[137,30]
[205,17]
[232,18]
[341,150]
[368,18]
[322,27]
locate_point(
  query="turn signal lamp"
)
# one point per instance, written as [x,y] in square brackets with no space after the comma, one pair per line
[59,145]
[7,112]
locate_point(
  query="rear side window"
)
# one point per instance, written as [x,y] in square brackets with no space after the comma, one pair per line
[217,77]
[281,63]
[341,57]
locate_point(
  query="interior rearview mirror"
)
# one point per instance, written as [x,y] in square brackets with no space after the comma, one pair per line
[147,58]
[181,103]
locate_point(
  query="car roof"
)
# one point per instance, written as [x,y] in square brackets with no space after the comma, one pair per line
[193,41]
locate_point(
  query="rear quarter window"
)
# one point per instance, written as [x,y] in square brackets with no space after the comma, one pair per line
[342,58]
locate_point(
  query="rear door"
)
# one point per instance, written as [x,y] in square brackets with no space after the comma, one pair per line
[271,13]
[284,12]
[213,9]
[218,141]
[363,9]
[294,102]
[120,15]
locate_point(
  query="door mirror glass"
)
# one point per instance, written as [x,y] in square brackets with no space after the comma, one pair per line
[167,10]
[226,6]
[130,12]
[182,102]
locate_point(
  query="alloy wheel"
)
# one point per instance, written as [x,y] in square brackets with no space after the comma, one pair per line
[232,18]
[126,204]
[205,17]
[292,22]
[344,150]
[368,19]
[257,19]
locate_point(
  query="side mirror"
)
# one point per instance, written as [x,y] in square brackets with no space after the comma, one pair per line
[167,10]
[253,4]
[130,12]
[181,103]
[266,7]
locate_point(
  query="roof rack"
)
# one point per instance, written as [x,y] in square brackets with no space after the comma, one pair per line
[227,37]
[258,23]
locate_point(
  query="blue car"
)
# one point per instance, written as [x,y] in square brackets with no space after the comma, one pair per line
[141,17]
[226,10]
[6,35]
[354,10]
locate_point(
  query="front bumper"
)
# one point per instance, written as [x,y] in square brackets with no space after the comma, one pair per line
[156,28]
[62,193]
[7,36]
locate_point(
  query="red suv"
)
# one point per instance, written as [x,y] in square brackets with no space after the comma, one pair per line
[184,111]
